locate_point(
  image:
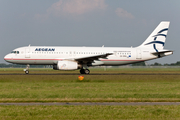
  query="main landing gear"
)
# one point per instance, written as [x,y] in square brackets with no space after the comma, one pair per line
[27,69]
[84,71]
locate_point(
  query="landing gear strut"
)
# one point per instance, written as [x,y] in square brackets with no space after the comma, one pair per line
[84,71]
[27,69]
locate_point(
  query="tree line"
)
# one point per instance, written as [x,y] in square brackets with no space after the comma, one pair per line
[156,64]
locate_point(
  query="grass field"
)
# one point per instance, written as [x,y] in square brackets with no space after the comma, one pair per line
[89,112]
[94,88]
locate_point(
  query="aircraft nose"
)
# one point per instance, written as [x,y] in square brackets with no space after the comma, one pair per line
[7,57]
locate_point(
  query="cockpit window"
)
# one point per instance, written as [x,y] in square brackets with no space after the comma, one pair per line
[15,52]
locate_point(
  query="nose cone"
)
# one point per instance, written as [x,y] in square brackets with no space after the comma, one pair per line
[7,58]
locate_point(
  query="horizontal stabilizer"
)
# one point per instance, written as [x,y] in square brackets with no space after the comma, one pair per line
[163,53]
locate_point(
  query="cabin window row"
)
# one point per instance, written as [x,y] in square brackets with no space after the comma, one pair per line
[71,53]
[123,53]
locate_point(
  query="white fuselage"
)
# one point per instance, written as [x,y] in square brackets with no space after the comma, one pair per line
[50,55]
[72,58]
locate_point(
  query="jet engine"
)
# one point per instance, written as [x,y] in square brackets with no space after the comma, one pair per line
[66,65]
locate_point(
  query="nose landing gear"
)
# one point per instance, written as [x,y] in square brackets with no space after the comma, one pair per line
[27,69]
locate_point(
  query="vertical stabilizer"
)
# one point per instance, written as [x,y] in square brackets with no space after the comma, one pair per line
[157,38]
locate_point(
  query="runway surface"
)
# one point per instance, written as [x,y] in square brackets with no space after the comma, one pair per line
[95,103]
[92,74]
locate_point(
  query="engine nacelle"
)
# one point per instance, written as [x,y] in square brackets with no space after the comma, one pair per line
[66,65]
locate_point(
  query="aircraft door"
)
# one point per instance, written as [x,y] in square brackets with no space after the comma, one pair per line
[138,54]
[27,52]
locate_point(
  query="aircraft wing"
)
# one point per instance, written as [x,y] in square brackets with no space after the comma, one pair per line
[92,58]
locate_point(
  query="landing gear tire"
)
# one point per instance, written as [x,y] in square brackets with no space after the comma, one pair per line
[27,71]
[84,71]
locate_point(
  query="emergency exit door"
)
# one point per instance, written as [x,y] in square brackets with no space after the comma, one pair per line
[138,54]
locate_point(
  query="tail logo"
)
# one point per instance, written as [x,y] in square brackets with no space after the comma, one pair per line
[155,39]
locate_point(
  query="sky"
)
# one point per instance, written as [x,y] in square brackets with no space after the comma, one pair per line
[112,23]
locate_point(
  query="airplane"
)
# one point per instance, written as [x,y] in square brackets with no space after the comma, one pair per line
[73,58]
